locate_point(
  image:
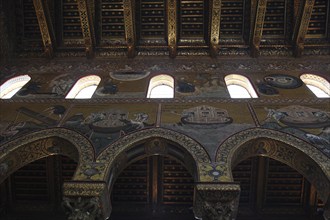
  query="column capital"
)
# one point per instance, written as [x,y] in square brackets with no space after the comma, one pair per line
[216,201]
[86,200]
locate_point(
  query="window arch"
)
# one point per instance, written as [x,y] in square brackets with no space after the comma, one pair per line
[84,87]
[317,84]
[161,86]
[240,87]
[13,85]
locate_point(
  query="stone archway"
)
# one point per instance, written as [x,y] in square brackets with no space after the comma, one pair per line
[155,141]
[36,145]
[192,147]
[90,187]
[298,154]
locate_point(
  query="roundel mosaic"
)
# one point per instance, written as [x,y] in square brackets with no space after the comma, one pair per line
[283,81]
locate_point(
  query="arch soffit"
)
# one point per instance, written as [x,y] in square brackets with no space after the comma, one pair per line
[296,150]
[109,155]
[31,147]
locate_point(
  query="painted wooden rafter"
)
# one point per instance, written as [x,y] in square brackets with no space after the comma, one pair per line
[301,26]
[215,27]
[129,26]
[45,25]
[172,27]
[258,27]
[87,27]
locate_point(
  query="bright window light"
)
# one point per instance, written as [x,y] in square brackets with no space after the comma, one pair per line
[318,92]
[161,86]
[317,84]
[12,86]
[86,93]
[238,92]
[84,87]
[162,91]
[240,87]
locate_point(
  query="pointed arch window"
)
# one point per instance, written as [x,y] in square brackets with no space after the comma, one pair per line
[240,87]
[13,85]
[317,84]
[84,87]
[161,86]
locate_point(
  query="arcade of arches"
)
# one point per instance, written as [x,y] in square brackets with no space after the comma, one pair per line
[157,178]
[128,109]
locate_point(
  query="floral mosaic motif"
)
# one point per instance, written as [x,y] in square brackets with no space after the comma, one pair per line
[213,173]
[204,65]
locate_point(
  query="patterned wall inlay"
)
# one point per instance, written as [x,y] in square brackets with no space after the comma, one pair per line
[58,66]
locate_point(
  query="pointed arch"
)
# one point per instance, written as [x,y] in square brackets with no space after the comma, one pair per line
[115,152]
[298,154]
[9,88]
[34,146]
[84,88]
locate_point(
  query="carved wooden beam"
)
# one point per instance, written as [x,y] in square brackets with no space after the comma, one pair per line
[129,26]
[296,4]
[87,26]
[172,27]
[215,27]
[301,26]
[258,27]
[45,25]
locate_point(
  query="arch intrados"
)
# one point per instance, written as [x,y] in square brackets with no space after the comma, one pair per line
[119,170]
[128,163]
[322,197]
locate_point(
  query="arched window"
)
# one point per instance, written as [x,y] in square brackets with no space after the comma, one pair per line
[12,86]
[84,87]
[317,84]
[161,86]
[239,87]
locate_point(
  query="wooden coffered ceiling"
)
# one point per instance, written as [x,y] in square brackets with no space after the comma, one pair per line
[105,28]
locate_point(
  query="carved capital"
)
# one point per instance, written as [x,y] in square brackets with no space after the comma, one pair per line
[84,208]
[86,200]
[216,201]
